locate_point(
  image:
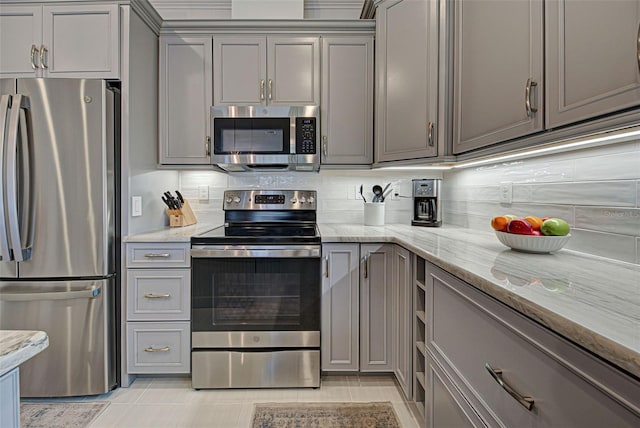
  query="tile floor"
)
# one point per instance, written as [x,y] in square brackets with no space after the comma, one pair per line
[171,402]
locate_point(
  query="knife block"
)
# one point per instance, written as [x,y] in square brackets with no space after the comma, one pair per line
[182,217]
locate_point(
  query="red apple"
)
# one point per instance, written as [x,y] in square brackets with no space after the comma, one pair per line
[520,227]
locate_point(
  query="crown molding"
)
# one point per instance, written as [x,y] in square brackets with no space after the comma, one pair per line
[191,26]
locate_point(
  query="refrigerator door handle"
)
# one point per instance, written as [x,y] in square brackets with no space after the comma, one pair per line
[19,103]
[5,254]
[90,293]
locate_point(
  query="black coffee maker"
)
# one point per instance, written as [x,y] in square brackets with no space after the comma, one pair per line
[426,203]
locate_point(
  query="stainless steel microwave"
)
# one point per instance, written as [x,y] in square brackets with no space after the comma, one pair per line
[259,138]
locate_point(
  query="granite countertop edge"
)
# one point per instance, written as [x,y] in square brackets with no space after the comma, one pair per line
[17,346]
[428,243]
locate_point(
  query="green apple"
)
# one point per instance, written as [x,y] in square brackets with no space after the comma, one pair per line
[554,227]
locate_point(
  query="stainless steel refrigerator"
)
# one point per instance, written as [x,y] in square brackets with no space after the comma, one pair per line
[59,229]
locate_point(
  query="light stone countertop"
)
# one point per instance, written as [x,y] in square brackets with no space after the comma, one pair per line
[17,346]
[592,301]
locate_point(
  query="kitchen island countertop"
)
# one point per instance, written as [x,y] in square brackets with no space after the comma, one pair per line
[592,301]
[17,346]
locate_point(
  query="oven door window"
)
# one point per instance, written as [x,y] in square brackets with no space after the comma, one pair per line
[256,294]
[251,136]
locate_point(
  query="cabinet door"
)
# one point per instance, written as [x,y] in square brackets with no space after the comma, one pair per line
[81,41]
[376,285]
[10,404]
[407,84]
[20,32]
[347,100]
[240,75]
[185,99]
[293,69]
[402,319]
[339,323]
[592,58]
[498,50]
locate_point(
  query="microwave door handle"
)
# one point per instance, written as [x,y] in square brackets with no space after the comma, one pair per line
[11,175]
[5,254]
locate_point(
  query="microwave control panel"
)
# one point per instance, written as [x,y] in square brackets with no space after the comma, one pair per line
[305,135]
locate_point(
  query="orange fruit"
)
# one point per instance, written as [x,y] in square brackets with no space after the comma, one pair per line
[500,222]
[535,222]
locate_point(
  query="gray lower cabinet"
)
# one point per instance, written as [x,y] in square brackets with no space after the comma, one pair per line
[376,296]
[158,308]
[402,289]
[10,403]
[346,106]
[339,307]
[592,58]
[498,76]
[186,94]
[512,371]
[406,79]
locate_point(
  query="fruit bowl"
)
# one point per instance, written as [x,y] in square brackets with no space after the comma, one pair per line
[532,243]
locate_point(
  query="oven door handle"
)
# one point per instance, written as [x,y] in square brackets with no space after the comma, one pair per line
[225,252]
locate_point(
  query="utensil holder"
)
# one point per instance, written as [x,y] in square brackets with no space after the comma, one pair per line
[182,217]
[374,213]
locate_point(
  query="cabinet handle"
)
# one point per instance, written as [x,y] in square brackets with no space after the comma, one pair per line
[638,47]
[34,56]
[324,146]
[527,97]
[270,89]
[326,267]
[262,89]
[157,296]
[43,52]
[207,146]
[366,266]
[430,134]
[157,255]
[496,374]
[152,349]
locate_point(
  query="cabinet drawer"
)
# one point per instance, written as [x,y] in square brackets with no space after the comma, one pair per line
[470,330]
[158,295]
[158,347]
[142,255]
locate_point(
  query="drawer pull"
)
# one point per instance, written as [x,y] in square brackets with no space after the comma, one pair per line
[152,349]
[157,255]
[496,374]
[157,296]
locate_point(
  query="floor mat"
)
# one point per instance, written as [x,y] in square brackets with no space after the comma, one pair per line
[63,414]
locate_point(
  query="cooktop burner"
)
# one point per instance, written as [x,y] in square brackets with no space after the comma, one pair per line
[265,217]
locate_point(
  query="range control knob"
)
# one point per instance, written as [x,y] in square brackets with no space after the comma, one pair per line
[236,199]
[228,200]
[303,200]
[311,199]
[293,200]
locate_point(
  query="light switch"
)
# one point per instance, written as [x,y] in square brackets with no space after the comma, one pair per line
[136,206]
[506,193]
[203,192]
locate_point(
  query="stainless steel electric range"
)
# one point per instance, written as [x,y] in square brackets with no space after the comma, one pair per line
[255,293]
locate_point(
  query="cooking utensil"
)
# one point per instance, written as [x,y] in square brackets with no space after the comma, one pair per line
[386,193]
[361,194]
[377,191]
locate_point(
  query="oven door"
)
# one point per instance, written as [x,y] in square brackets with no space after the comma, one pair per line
[255,288]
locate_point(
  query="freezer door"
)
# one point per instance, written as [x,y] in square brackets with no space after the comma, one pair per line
[72,179]
[75,315]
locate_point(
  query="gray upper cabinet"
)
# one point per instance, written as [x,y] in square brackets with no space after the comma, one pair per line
[60,40]
[592,58]
[275,70]
[339,314]
[406,79]
[347,100]
[376,296]
[498,71]
[185,98]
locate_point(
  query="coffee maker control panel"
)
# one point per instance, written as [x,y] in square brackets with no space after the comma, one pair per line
[425,188]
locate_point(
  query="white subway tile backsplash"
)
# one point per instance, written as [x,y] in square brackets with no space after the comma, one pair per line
[607,193]
[618,166]
[614,246]
[625,221]
[638,250]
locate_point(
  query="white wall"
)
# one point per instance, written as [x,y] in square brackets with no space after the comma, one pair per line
[337,202]
[597,191]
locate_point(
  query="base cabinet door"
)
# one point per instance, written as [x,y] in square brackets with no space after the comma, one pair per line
[402,319]
[339,323]
[376,285]
[10,403]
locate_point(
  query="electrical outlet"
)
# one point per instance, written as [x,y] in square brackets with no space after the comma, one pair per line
[506,193]
[203,192]
[356,192]
[394,195]
[136,206]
